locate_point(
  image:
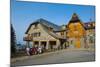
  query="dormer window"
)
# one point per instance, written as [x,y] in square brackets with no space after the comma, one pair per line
[89,25]
[63,27]
[50,29]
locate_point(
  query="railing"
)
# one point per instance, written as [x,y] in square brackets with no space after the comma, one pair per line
[28,38]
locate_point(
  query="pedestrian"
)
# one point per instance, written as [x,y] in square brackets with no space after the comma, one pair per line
[27,51]
[39,50]
[36,50]
[30,51]
[33,50]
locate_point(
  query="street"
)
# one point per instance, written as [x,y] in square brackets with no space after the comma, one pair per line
[61,56]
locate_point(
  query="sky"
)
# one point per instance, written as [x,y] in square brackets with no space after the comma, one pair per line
[24,13]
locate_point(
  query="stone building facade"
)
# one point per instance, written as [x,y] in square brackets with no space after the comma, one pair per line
[44,34]
[90,34]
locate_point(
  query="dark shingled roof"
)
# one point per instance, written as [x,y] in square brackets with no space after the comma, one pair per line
[46,23]
[74,18]
[52,33]
[89,25]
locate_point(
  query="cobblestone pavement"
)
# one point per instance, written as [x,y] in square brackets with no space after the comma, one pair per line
[62,56]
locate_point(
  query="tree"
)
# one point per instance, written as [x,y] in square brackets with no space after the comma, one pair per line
[13,41]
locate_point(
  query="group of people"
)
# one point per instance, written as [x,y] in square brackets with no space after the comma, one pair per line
[34,50]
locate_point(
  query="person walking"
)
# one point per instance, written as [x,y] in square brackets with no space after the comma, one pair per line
[39,50]
[28,51]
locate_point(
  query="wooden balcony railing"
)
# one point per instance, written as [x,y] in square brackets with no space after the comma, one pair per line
[28,38]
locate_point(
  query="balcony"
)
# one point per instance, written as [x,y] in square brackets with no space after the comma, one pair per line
[28,38]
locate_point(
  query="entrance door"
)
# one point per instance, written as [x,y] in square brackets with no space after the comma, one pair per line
[78,43]
[43,44]
[36,43]
[52,44]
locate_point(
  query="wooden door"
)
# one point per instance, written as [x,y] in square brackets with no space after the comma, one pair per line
[78,43]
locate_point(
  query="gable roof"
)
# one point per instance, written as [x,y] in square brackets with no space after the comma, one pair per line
[74,18]
[46,23]
[52,33]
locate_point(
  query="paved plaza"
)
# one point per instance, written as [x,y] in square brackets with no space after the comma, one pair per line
[61,56]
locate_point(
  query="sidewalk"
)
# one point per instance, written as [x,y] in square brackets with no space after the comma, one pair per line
[47,53]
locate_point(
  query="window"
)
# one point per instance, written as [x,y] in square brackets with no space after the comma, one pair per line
[36,42]
[75,26]
[35,26]
[89,25]
[50,29]
[93,24]
[37,34]
[71,41]
[62,33]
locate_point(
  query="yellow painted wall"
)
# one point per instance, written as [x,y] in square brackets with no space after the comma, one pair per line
[76,30]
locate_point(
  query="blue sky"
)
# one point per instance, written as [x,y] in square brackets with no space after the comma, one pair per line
[24,13]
